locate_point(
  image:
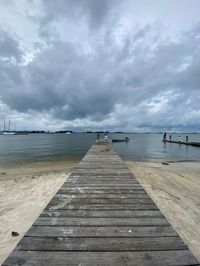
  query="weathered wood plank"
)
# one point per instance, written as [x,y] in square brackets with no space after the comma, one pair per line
[103,186]
[61,194]
[51,221]
[102,178]
[147,258]
[104,207]
[101,231]
[85,172]
[99,244]
[101,214]
[122,191]
[102,171]
[101,165]
[97,183]
[100,181]
[84,201]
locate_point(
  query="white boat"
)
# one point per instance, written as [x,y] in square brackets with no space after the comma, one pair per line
[7,133]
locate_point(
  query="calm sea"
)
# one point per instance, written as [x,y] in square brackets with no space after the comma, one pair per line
[51,147]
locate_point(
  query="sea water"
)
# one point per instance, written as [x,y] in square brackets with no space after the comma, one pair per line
[51,147]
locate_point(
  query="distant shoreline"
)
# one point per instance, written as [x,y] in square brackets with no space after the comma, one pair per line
[69,132]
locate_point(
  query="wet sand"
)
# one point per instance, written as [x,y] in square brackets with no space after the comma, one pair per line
[24,192]
[175,188]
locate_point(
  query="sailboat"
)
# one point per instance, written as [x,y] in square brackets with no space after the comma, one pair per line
[7,132]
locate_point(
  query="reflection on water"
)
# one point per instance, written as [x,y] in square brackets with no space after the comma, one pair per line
[47,147]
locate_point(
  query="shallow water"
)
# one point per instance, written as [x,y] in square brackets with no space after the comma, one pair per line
[19,149]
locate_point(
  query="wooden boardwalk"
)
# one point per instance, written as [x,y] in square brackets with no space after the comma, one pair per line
[101,216]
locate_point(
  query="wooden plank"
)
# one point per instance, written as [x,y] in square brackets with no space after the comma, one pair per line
[51,221]
[146,258]
[101,214]
[69,200]
[99,183]
[104,207]
[102,175]
[101,231]
[104,165]
[99,244]
[121,191]
[101,180]
[111,171]
[100,168]
[103,186]
[102,196]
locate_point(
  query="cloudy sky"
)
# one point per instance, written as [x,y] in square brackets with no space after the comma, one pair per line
[87,64]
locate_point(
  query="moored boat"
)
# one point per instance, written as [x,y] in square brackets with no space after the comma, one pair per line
[121,140]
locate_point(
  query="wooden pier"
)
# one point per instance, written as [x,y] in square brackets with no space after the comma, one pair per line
[101,216]
[197,144]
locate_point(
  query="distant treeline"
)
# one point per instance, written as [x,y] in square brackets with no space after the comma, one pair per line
[64,131]
[30,132]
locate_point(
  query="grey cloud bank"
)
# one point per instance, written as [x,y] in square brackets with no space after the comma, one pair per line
[94,65]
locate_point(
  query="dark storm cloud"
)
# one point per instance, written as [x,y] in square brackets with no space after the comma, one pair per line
[93,13]
[69,84]
[9,47]
[72,85]
[116,76]
[10,73]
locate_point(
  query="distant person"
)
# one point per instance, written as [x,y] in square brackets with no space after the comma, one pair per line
[164,136]
[179,138]
[187,139]
[106,137]
[170,137]
[98,136]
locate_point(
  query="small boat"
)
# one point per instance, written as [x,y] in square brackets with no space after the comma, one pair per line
[7,133]
[121,140]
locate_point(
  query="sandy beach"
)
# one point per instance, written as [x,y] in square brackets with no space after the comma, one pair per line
[175,188]
[24,192]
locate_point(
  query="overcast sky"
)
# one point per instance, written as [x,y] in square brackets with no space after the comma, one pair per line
[113,65]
